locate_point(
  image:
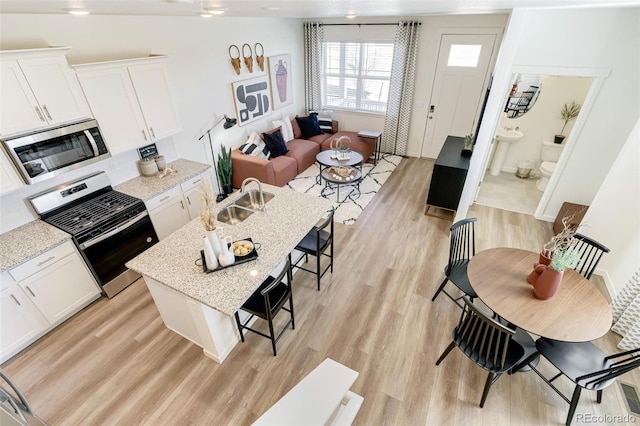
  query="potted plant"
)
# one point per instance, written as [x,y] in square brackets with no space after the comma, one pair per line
[225,169]
[467,150]
[567,113]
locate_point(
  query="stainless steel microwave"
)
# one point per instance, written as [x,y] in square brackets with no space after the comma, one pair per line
[45,154]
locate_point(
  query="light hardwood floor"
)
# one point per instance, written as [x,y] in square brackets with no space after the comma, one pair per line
[116,363]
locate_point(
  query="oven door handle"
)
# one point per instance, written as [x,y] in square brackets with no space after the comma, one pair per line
[92,141]
[114,231]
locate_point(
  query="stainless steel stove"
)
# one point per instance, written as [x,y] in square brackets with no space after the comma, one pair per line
[109,227]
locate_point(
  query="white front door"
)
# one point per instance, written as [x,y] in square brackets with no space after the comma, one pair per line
[461,74]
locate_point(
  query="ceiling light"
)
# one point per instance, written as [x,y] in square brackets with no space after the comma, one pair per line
[205,14]
[270,8]
[215,10]
[78,12]
[351,16]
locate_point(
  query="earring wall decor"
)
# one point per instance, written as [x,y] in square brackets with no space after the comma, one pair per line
[235,61]
[281,80]
[251,99]
[259,57]
[248,60]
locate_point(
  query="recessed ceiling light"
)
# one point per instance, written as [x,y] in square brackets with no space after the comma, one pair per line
[351,16]
[270,8]
[205,14]
[215,11]
[78,12]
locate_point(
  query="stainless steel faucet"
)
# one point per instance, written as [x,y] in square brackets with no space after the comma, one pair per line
[248,180]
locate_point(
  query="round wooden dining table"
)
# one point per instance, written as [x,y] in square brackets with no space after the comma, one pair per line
[578,312]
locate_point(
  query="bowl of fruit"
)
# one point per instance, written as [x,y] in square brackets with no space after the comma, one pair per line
[243,248]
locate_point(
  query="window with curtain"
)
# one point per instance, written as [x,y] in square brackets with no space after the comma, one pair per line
[356,76]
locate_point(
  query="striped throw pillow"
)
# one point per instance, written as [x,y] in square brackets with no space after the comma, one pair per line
[326,124]
[255,147]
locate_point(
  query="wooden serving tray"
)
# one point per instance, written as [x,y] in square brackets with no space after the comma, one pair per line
[239,260]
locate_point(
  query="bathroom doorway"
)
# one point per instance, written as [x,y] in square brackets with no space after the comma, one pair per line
[538,125]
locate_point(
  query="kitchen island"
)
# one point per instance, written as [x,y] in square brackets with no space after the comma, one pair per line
[200,306]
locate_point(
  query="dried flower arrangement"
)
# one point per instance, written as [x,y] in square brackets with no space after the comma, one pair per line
[561,248]
[208,215]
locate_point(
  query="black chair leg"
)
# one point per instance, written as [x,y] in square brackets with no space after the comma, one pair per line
[440,289]
[573,405]
[487,386]
[446,352]
[272,334]
[239,327]
[599,396]
[318,268]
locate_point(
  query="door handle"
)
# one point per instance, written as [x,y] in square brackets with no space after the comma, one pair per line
[39,114]
[29,289]
[153,134]
[144,135]
[16,300]
[46,111]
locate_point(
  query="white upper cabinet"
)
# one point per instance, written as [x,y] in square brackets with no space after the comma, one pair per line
[131,99]
[9,178]
[39,89]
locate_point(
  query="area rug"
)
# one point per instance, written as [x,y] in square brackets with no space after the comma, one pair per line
[349,206]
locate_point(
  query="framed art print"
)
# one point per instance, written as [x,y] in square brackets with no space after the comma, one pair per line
[281,80]
[252,99]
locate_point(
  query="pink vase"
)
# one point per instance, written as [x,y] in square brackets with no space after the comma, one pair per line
[547,283]
[535,274]
[544,258]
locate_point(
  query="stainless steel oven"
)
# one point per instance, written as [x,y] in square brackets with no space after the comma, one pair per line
[108,227]
[44,154]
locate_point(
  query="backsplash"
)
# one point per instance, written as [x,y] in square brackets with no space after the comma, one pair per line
[15,209]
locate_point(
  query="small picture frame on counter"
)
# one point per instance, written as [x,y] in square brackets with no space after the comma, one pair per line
[148,151]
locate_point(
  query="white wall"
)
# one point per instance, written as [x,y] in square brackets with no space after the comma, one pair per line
[199,70]
[542,122]
[613,218]
[588,38]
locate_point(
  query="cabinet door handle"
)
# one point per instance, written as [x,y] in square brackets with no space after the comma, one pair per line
[165,198]
[144,135]
[46,111]
[188,201]
[153,134]
[49,259]
[182,204]
[16,300]
[196,181]
[39,114]
[29,290]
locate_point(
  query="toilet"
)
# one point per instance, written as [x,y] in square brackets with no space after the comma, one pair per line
[549,155]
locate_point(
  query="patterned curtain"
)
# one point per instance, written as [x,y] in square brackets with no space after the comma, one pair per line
[626,314]
[400,104]
[313,35]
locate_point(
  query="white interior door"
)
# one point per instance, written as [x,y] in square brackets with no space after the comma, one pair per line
[461,74]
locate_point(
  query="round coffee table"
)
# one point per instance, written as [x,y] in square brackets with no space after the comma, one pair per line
[324,160]
[333,180]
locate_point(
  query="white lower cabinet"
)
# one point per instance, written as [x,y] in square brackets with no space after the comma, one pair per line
[174,208]
[21,323]
[41,293]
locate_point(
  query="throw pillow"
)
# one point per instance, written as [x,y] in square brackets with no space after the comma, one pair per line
[275,143]
[326,124]
[285,124]
[309,126]
[255,147]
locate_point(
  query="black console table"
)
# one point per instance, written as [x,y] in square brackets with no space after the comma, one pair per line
[449,173]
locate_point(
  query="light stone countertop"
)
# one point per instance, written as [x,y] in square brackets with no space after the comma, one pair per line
[27,241]
[289,216]
[147,187]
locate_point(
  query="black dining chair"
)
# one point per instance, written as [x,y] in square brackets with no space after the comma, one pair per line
[462,248]
[486,342]
[589,253]
[585,365]
[266,302]
[316,243]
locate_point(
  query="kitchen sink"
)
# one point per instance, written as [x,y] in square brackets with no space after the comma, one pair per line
[233,214]
[251,199]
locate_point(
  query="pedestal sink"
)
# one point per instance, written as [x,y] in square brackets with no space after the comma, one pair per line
[504,138]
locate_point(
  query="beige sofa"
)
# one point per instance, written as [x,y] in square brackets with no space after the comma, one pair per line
[302,154]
